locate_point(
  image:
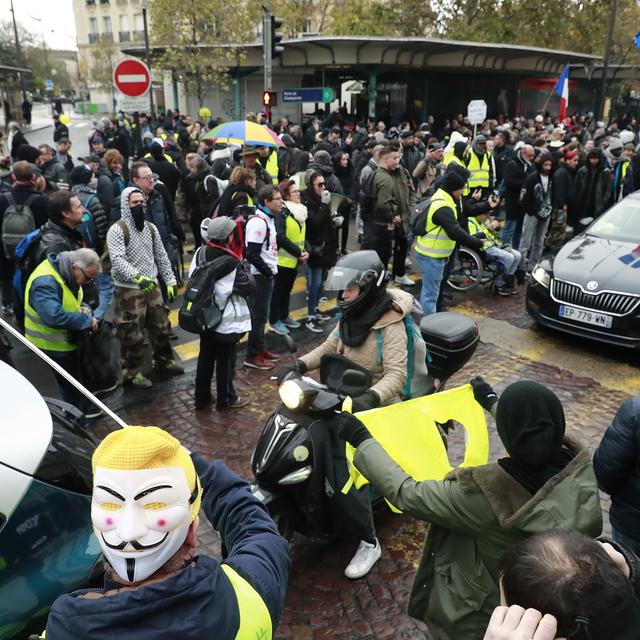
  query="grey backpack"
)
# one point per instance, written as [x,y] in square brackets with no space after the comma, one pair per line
[18,222]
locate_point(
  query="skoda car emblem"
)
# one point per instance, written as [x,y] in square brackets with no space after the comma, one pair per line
[592,285]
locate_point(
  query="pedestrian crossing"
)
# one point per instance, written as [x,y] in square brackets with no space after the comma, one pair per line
[187,346]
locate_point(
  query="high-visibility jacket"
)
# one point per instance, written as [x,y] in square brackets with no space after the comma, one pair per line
[475,227]
[167,157]
[435,243]
[449,158]
[479,168]
[272,166]
[255,621]
[44,337]
[296,233]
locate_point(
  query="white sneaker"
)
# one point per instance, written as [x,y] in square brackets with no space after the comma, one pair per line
[405,281]
[366,556]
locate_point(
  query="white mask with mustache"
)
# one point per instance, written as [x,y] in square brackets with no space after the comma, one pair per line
[141,517]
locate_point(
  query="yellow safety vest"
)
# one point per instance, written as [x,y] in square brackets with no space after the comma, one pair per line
[476,227]
[167,157]
[449,157]
[435,243]
[272,166]
[249,198]
[296,233]
[36,331]
[479,170]
[255,621]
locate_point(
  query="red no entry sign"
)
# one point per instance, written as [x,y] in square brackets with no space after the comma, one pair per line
[132,77]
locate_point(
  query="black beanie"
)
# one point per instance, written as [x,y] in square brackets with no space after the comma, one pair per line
[530,422]
[454,179]
[80,175]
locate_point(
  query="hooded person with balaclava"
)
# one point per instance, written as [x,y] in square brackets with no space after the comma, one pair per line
[475,514]
[593,185]
[138,259]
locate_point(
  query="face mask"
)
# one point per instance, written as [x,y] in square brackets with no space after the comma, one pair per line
[138,216]
[141,518]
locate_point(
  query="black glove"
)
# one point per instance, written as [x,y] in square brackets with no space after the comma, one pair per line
[298,368]
[351,429]
[483,393]
[368,400]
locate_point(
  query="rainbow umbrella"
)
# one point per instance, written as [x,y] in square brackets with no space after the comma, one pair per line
[244,132]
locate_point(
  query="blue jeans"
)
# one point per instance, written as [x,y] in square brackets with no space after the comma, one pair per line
[314,288]
[512,232]
[259,307]
[432,271]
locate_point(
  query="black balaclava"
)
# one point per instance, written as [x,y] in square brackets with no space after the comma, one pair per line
[531,425]
[458,149]
[137,213]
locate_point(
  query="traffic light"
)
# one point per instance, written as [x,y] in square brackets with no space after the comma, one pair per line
[276,37]
[269,99]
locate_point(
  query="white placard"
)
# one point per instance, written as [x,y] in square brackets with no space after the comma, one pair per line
[477,111]
[133,104]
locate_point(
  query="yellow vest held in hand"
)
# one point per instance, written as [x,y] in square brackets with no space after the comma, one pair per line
[296,234]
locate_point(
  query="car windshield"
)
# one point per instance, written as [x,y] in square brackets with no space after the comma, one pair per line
[621,222]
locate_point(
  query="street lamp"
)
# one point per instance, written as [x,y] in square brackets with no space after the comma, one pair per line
[18,54]
[143,6]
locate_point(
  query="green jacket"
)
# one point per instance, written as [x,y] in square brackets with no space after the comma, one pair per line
[394,195]
[475,514]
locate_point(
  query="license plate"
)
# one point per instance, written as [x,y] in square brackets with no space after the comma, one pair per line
[587,317]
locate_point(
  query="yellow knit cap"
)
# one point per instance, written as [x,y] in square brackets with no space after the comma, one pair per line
[136,448]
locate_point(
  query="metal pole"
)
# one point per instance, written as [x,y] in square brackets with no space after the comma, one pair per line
[18,53]
[266,46]
[147,57]
[66,375]
[607,56]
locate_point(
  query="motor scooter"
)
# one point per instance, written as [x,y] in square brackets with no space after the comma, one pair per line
[290,459]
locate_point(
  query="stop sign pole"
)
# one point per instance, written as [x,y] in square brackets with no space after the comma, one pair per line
[147,57]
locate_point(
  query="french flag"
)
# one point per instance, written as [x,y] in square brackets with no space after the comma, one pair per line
[562,89]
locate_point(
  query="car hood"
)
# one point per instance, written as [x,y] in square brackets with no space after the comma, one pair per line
[613,264]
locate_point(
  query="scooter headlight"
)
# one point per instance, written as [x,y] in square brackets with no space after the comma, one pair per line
[295,395]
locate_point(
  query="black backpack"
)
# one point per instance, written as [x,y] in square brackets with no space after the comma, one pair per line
[418,219]
[17,223]
[199,312]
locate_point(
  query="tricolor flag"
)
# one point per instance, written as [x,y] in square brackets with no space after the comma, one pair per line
[562,89]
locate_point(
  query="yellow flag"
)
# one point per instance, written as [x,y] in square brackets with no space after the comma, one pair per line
[408,432]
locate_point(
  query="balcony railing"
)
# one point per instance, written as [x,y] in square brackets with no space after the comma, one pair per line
[137,35]
[93,38]
[124,36]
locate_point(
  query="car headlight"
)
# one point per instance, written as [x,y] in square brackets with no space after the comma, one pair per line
[295,395]
[541,276]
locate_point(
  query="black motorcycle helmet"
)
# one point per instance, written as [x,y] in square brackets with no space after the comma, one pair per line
[362,269]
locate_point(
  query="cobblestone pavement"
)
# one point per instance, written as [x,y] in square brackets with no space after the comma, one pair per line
[321,602]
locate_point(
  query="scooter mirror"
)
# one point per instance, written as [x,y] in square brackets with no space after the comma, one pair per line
[353,378]
[292,347]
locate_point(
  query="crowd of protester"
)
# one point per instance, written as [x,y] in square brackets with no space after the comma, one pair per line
[99,241]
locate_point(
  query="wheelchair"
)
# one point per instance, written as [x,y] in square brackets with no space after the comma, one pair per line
[469,270]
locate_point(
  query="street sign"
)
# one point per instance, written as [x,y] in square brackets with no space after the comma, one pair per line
[637,40]
[129,105]
[477,111]
[132,77]
[314,94]
[48,85]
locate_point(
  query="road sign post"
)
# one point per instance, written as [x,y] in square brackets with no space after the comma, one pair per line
[132,79]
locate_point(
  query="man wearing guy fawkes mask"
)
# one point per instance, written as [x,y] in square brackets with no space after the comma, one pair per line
[138,259]
[147,493]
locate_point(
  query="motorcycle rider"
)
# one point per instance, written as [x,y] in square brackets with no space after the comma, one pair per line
[371,333]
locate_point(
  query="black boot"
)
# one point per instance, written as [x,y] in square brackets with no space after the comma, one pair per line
[511,284]
[520,276]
